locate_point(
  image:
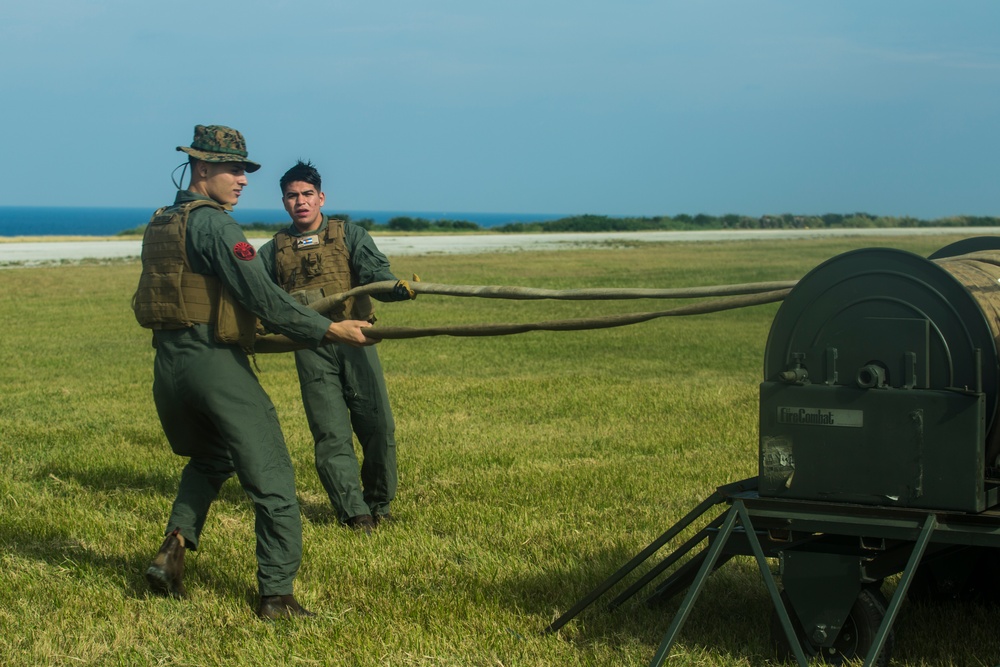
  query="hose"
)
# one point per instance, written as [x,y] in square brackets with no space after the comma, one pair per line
[271,344]
[531,293]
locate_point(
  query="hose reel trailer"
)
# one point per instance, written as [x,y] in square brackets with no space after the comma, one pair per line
[880,382]
[879,438]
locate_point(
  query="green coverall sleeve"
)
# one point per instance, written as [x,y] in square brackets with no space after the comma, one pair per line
[266,255]
[216,247]
[368,263]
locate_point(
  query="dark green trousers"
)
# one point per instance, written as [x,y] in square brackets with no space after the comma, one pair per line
[343,392]
[214,411]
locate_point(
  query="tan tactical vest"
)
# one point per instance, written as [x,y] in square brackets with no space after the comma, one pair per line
[316,265]
[172,296]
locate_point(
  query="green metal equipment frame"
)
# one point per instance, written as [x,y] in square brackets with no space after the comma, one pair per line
[831,537]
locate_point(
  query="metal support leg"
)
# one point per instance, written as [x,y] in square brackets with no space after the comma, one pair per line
[656,571]
[738,511]
[695,590]
[772,587]
[930,524]
[719,496]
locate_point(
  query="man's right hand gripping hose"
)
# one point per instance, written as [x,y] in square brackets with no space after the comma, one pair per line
[349,332]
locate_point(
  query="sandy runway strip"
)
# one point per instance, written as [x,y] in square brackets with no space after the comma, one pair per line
[40,252]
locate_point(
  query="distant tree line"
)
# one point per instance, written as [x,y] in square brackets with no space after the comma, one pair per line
[405,223]
[684,222]
[398,224]
[680,222]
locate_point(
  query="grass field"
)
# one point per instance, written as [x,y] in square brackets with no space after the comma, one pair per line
[531,468]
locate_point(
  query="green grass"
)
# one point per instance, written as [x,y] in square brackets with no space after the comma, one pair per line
[531,468]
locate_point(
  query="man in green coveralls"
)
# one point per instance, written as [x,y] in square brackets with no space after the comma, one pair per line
[199,275]
[343,388]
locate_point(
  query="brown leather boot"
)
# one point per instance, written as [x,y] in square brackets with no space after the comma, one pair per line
[275,607]
[363,523]
[379,519]
[166,572]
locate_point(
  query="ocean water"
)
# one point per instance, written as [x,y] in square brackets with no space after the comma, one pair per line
[97,221]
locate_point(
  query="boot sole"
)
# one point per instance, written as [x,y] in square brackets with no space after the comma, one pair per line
[161,584]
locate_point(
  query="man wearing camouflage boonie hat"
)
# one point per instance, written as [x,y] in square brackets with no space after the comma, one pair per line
[218,143]
[201,291]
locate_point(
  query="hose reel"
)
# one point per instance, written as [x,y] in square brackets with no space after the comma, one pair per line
[899,351]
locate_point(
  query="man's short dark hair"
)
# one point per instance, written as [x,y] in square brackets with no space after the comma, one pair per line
[302,171]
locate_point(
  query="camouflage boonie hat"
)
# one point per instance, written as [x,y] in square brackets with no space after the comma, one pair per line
[218,143]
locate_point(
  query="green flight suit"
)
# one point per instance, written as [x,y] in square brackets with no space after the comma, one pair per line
[214,410]
[343,390]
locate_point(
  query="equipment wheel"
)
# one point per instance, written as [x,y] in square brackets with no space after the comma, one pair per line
[875,588]
[968,574]
[854,641]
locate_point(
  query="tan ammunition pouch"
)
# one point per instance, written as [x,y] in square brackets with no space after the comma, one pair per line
[171,296]
[314,266]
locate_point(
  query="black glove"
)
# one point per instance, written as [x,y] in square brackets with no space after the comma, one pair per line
[402,290]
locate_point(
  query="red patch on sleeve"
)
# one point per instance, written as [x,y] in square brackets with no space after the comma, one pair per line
[244,251]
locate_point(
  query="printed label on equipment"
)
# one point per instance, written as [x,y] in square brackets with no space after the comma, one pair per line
[777,465]
[821,417]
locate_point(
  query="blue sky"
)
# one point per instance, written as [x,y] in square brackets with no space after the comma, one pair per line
[631,107]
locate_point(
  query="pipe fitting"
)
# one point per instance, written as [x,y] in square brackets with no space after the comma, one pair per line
[871,376]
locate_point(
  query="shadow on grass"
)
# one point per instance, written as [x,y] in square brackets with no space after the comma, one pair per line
[58,544]
[319,512]
[61,550]
[944,633]
[110,478]
[732,618]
